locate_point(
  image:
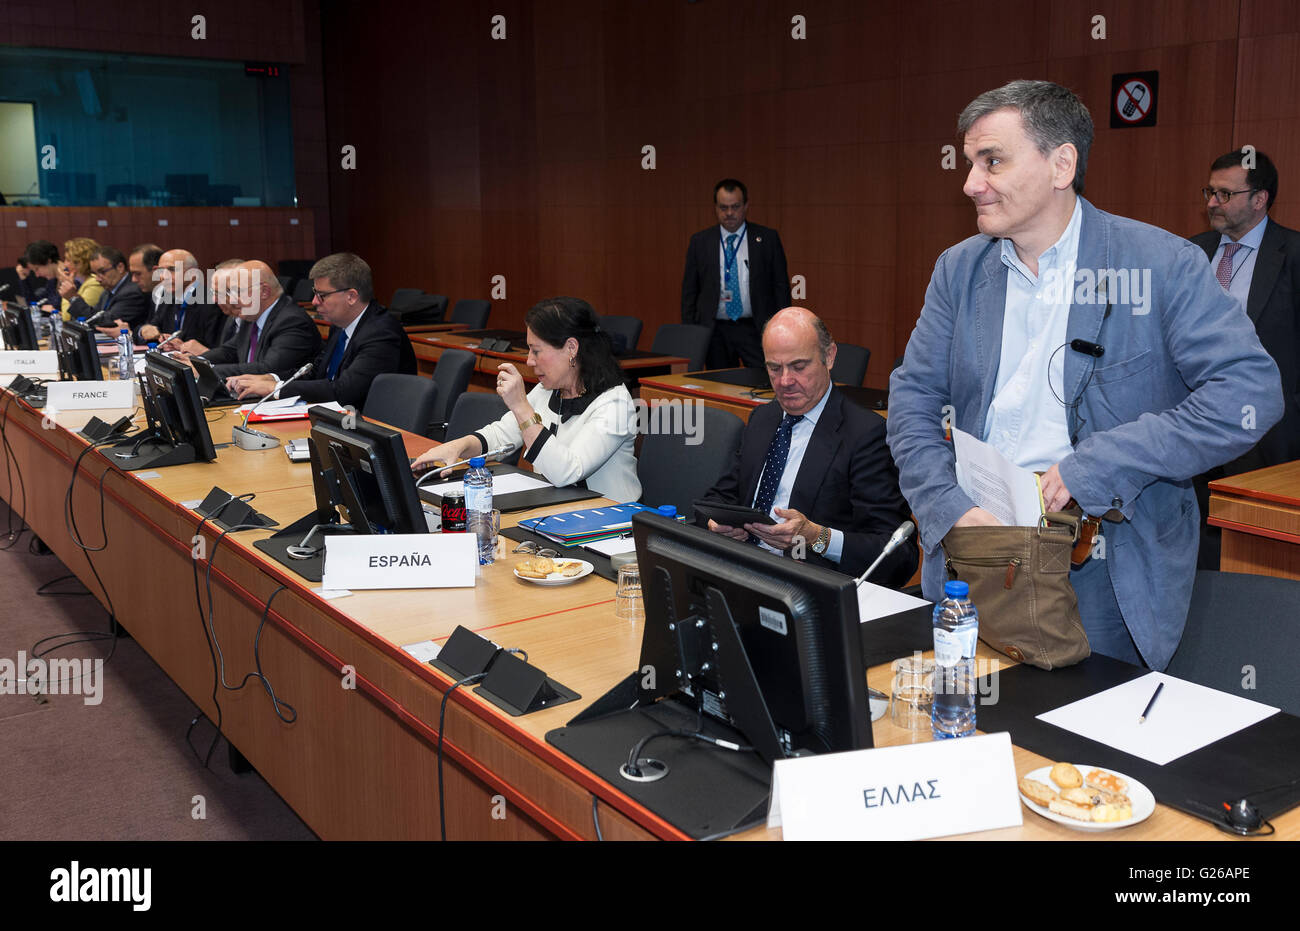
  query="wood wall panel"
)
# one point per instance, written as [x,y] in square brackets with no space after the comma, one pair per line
[532,167]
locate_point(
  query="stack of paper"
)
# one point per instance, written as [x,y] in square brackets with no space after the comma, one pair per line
[576,528]
[1005,490]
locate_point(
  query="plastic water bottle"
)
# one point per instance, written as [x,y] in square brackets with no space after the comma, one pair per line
[125,356]
[956,630]
[37,318]
[478,508]
[56,327]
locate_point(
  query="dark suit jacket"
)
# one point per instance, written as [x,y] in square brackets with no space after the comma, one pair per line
[847,481]
[128,303]
[288,341]
[378,345]
[203,322]
[769,282]
[1273,305]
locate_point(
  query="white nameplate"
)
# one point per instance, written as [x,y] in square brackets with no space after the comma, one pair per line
[405,560]
[908,792]
[24,362]
[89,395]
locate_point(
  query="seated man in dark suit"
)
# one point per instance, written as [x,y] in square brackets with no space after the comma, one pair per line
[182,310]
[363,342]
[276,336]
[122,303]
[817,463]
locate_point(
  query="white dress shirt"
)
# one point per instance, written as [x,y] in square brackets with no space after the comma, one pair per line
[1026,421]
[800,434]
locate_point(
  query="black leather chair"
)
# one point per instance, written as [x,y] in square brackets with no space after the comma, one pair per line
[403,296]
[1243,637]
[624,329]
[672,469]
[850,366]
[473,410]
[451,374]
[683,339]
[473,312]
[403,401]
[303,291]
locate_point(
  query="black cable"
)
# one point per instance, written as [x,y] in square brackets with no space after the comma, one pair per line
[595,817]
[12,534]
[442,720]
[42,590]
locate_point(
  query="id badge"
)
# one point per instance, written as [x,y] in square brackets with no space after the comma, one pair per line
[726,295]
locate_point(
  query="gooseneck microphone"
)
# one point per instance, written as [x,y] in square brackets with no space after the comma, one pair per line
[905,530]
[245,438]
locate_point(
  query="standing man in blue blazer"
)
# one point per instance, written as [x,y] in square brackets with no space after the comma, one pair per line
[735,280]
[1096,349]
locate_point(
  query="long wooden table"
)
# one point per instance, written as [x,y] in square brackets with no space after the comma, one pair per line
[736,399]
[360,761]
[429,347]
[1259,513]
[323,326]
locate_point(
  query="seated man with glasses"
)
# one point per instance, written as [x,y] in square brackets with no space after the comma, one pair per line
[1257,261]
[363,341]
[816,463]
[1120,387]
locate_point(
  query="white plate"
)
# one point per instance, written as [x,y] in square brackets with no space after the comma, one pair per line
[1144,803]
[555,578]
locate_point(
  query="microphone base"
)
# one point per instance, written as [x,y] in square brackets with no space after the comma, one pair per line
[245,438]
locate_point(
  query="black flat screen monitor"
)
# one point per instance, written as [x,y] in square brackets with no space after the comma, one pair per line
[797,630]
[171,400]
[17,328]
[78,353]
[361,474]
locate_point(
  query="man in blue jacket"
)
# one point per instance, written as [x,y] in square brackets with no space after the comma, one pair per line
[1098,350]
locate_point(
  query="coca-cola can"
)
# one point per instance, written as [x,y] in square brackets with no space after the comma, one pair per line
[453,513]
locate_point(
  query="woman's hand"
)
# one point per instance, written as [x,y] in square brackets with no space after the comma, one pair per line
[510,386]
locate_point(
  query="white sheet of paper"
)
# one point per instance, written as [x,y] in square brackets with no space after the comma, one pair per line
[288,406]
[1185,718]
[501,484]
[1000,487]
[612,547]
[423,651]
[877,601]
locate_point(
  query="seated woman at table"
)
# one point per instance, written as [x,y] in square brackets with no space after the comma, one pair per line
[579,423]
[75,278]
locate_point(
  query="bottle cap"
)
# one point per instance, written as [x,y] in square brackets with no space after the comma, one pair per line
[152,346]
[668,510]
[956,589]
[123,330]
[477,462]
[81,319]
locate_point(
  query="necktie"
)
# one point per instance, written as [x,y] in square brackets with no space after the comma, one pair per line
[252,343]
[180,316]
[1224,271]
[731,283]
[774,464]
[337,356]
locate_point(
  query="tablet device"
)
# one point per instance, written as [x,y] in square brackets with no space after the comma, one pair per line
[731,515]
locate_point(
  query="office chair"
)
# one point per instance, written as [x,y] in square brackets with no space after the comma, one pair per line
[850,366]
[683,339]
[473,312]
[626,328]
[1243,637]
[473,410]
[403,401]
[451,375]
[674,472]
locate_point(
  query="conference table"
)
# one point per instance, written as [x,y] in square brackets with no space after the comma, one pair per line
[412,331]
[360,760]
[1259,513]
[429,347]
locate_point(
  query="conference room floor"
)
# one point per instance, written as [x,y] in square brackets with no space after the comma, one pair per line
[121,769]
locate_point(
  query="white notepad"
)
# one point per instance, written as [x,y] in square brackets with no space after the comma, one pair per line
[1184,719]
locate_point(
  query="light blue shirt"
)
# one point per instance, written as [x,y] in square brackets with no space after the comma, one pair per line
[742,271]
[1027,421]
[1243,261]
[800,434]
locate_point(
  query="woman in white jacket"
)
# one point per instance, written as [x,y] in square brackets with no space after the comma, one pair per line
[579,423]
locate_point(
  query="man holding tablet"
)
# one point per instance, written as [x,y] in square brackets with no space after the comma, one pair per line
[815,463]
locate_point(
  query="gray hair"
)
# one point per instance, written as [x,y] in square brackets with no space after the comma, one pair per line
[1053,115]
[345,270]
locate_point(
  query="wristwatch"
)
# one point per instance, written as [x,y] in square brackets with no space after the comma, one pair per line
[823,541]
[535,419]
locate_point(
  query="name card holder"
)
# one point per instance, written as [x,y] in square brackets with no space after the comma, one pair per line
[28,362]
[907,792]
[405,560]
[90,395]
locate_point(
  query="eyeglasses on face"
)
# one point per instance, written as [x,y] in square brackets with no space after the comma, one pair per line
[1222,196]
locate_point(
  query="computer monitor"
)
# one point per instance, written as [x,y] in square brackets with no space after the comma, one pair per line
[361,475]
[178,429]
[740,646]
[17,329]
[78,353]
